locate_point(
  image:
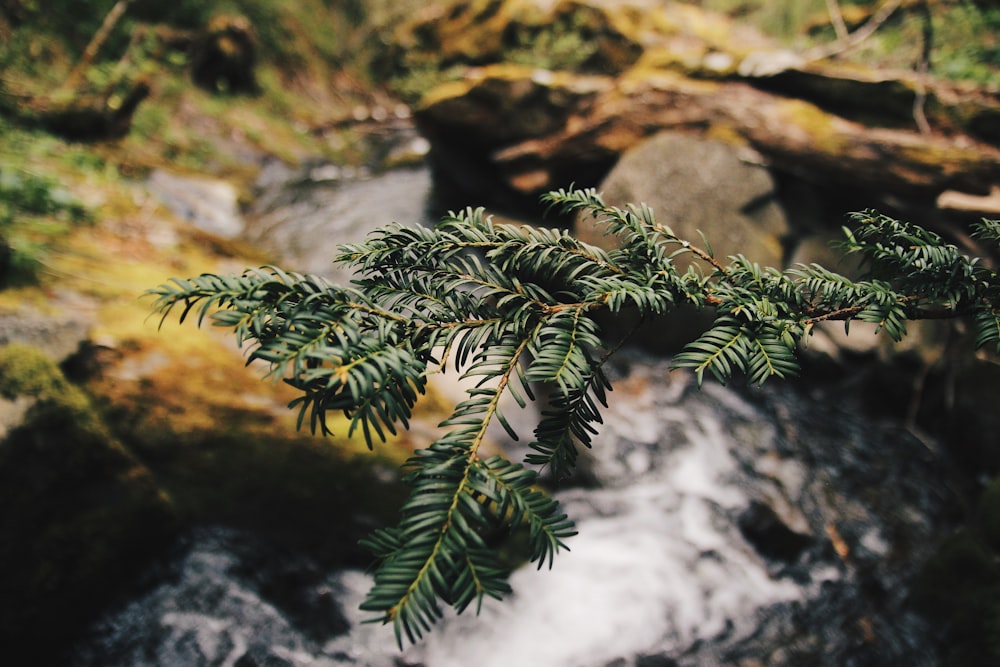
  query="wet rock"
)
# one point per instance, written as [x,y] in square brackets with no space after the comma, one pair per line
[210,610]
[696,185]
[209,204]
[769,535]
[261,656]
[295,584]
[655,661]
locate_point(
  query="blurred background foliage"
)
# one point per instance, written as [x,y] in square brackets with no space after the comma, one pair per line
[295,33]
[966,33]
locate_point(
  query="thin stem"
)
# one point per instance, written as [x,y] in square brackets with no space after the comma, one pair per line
[472,456]
[837,19]
[858,36]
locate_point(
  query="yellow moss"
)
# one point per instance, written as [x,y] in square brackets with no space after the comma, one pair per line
[807,123]
[943,156]
[26,371]
[642,77]
[726,133]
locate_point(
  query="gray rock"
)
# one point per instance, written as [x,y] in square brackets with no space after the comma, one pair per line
[207,203]
[693,185]
[58,336]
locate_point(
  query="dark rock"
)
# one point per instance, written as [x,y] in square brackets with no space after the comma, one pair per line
[293,583]
[224,57]
[261,656]
[91,119]
[80,517]
[769,535]
[698,185]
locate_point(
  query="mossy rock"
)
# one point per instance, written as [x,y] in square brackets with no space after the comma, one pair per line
[222,442]
[569,36]
[79,515]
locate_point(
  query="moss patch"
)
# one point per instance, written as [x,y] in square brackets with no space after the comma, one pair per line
[224,445]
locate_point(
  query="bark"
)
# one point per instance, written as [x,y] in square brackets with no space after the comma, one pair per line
[795,135]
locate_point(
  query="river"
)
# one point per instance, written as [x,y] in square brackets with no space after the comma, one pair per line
[774,526]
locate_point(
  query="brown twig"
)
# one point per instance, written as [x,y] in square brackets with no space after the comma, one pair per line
[854,39]
[923,68]
[101,36]
[837,19]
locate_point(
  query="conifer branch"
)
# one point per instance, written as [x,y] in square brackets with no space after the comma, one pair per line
[513,308]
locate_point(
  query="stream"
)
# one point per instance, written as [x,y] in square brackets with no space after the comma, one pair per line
[774,526]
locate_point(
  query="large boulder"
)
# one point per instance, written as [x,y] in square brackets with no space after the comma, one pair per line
[694,186]
[697,185]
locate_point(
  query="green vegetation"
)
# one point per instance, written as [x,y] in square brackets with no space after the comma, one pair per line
[513,309]
[107,469]
[964,43]
[306,59]
[25,372]
[34,213]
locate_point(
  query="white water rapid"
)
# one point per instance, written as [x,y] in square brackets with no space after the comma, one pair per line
[659,565]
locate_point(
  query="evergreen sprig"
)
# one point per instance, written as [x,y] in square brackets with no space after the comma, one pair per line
[513,310]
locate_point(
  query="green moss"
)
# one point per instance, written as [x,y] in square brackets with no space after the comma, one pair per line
[438,47]
[224,446]
[26,371]
[818,125]
[35,213]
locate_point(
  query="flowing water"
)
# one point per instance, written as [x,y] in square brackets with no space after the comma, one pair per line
[780,526]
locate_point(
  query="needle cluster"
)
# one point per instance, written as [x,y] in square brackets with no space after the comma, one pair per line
[513,309]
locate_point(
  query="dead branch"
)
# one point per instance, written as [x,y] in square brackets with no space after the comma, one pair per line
[837,19]
[101,36]
[856,38]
